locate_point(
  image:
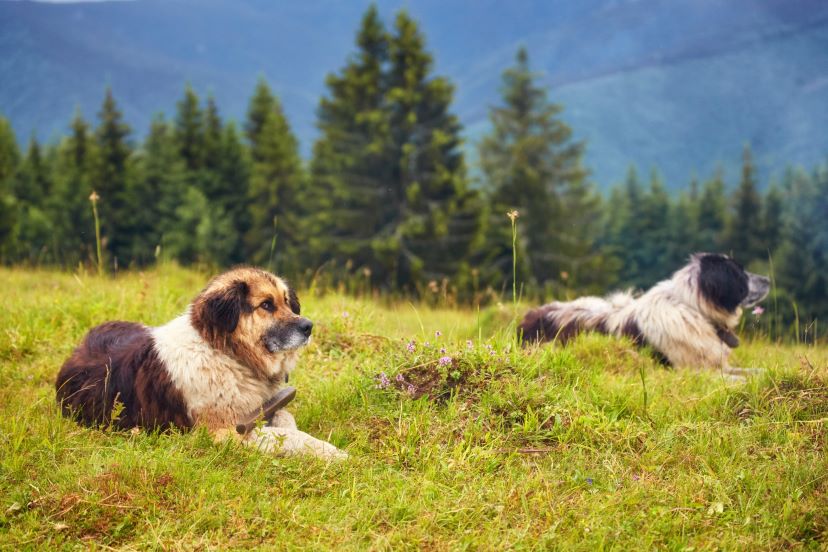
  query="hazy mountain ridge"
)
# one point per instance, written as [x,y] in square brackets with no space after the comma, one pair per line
[678,85]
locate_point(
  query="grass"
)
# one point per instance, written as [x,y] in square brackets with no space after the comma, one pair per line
[495,448]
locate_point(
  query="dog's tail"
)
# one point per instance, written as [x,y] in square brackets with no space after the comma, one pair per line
[561,322]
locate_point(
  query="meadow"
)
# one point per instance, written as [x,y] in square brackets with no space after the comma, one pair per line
[457,438]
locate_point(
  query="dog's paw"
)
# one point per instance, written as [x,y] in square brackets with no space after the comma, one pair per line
[333,453]
[741,375]
[283,418]
[734,378]
[290,442]
[306,444]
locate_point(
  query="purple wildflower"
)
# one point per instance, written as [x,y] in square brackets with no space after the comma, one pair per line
[427,344]
[411,389]
[757,311]
[411,346]
[445,360]
[400,378]
[589,480]
[469,344]
[384,382]
[442,350]
[345,314]
[438,333]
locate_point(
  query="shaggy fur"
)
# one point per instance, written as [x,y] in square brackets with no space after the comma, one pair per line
[687,320]
[219,361]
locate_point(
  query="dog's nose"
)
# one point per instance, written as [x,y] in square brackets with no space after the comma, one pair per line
[305,326]
[759,278]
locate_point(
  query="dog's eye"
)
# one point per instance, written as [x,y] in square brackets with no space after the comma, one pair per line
[268,306]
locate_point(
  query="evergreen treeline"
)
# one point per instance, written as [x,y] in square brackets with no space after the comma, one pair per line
[387,200]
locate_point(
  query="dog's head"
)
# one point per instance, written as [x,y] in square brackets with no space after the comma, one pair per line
[724,286]
[252,315]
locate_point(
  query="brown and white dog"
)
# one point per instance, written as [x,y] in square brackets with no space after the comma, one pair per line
[229,352]
[687,320]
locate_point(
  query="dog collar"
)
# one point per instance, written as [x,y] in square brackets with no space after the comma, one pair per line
[265,412]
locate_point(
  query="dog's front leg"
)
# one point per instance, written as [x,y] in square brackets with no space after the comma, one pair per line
[291,441]
[283,418]
[736,374]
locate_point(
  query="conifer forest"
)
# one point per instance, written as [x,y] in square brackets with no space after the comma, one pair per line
[392,201]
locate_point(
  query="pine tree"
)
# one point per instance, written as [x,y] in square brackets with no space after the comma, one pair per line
[772,213]
[627,229]
[437,219]
[9,161]
[579,231]
[111,179]
[613,220]
[683,232]
[693,194]
[388,181]
[213,137]
[711,216]
[655,262]
[9,151]
[217,167]
[644,233]
[70,207]
[802,262]
[262,104]
[202,233]
[233,173]
[531,163]
[34,231]
[743,239]
[275,232]
[690,202]
[189,131]
[349,194]
[226,183]
[33,184]
[163,177]
[516,161]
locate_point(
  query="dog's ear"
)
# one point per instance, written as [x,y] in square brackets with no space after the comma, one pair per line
[218,312]
[722,281]
[293,301]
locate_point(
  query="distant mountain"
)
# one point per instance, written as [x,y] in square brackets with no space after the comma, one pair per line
[680,85]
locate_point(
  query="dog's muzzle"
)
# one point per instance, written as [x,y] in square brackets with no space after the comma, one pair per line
[758,288]
[288,336]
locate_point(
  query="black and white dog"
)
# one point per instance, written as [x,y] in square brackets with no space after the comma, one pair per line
[687,320]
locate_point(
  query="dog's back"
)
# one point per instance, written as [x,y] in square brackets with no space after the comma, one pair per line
[117,364]
[561,321]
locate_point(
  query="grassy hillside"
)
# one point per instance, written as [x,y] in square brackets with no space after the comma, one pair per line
[592,446]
